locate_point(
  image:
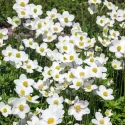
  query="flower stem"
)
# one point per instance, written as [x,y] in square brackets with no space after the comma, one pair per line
[124,73]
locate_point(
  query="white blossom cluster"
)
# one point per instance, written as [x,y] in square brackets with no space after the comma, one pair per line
[69,71]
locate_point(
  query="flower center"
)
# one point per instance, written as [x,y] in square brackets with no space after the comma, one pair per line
[81,73]
[49,72]
[1,35]
[94,70]
[52,15]
[65,47]
[101,21]
[89,87]
[57,76]
[64,58]
[115,66]
[18,55]
[109,4]
[21,107]
[4,110]
[28,66]
[66,20]
[71,57]
[101,121]
[81,38]
[78,108]
[70,75]
[25,83]
[56,102]
[81,43]
[55,29]
[22,92]
[92,60]
[103,42]
[35,10]
[10,54]
[30,43]
[51,120]
[105,93]
[23,13]
[16,21]
[39,25]
[107,113]
[22,4]
[114,34]
[78,83]
[49,38]
[118,48]
[40,86]
[58,67]
[42,49]
[29,98]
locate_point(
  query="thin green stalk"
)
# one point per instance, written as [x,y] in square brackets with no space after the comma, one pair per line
[82,16]
[124,73]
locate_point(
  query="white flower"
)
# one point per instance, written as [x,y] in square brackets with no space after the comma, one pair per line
[57,76]
[41,85]
[24,81]
[104,42]
[30,65]
[114,34]
[52,14]
[5,109]
[34,120]
[101,20]
[23,13]
[51,116]
[121,15]
[66,19]
[93,9]
[77,83]
[122,25]
[55,101]
[100,120]
[29,24]
[118,48]
[79,109]
[35,10]
[42,49]
[32,99]
[30,43]
[1,43]
[47,72]
[19,56]
[15,21]
[49,37]
[96,71]
[20,4]
[106,94]
[70,102]
[56,28]
[94,1]
[23,91]
[3,34]
[20,107]
[108,113]
[89,87]
[116,64]
[109,5]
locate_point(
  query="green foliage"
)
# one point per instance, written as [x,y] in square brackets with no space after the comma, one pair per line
[118,108]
